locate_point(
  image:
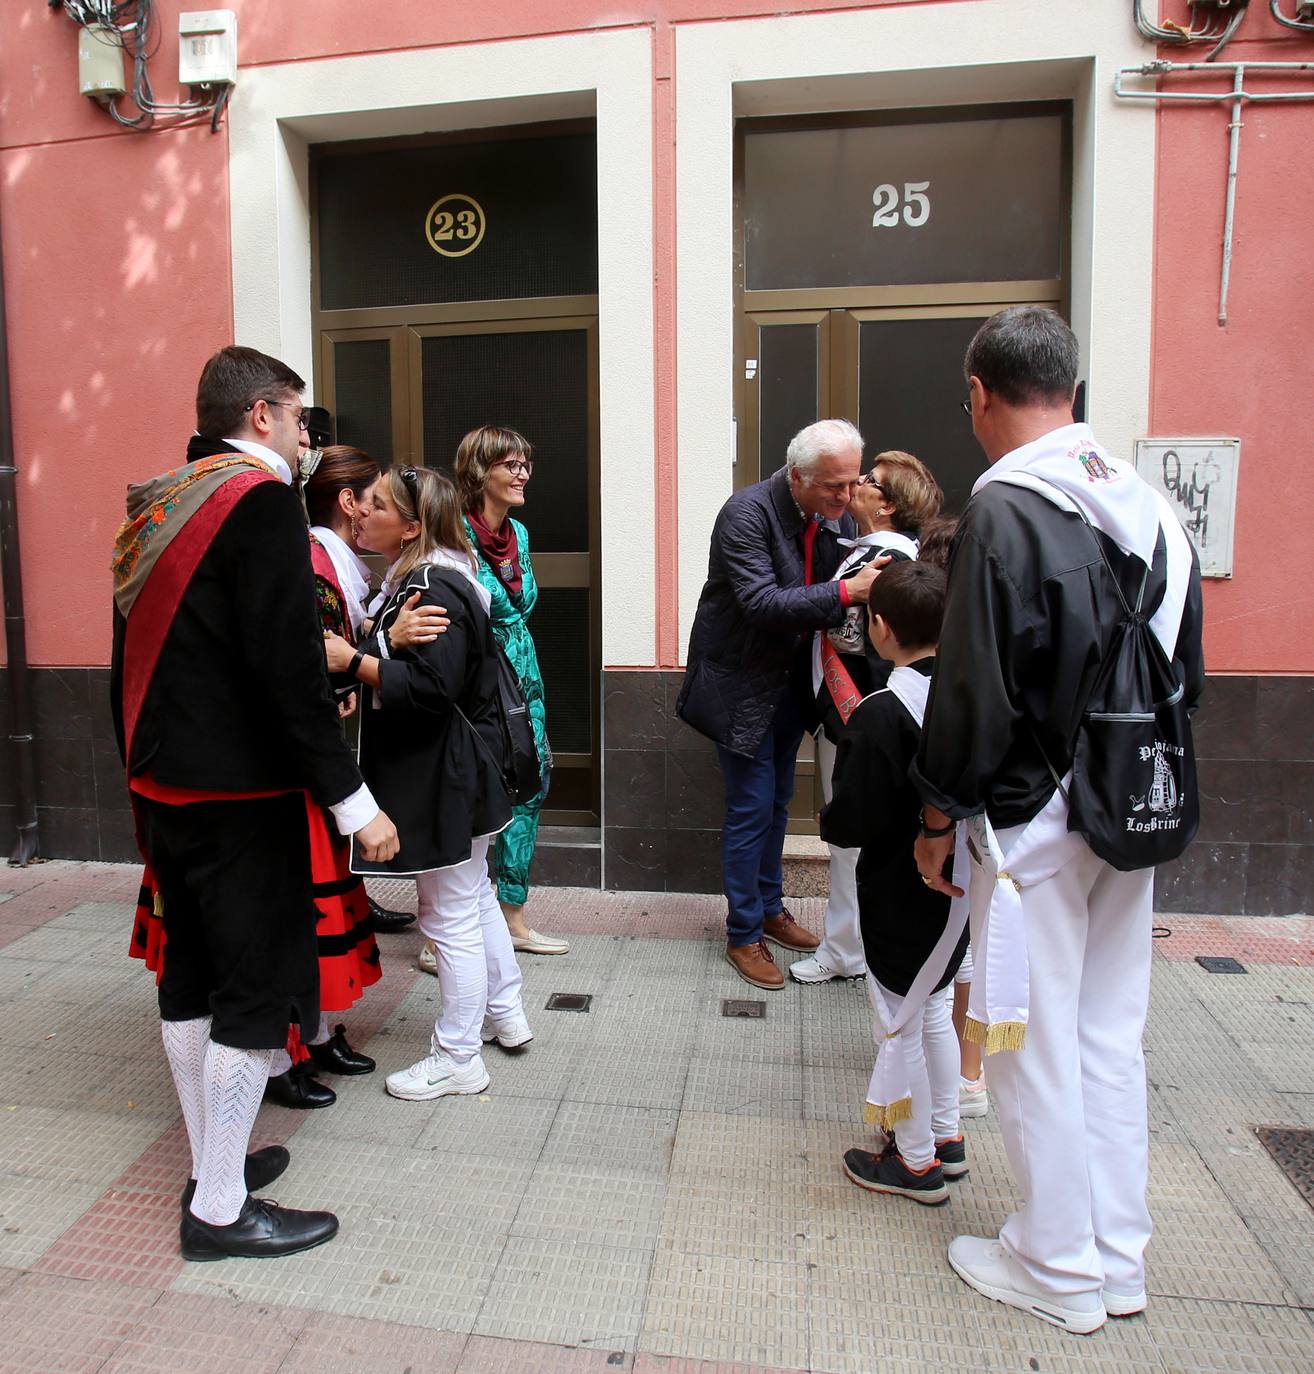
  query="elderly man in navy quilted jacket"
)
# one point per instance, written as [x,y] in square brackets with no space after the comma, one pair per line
[748,686]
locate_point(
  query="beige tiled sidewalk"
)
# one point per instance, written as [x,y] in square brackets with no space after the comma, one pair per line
[649,1187]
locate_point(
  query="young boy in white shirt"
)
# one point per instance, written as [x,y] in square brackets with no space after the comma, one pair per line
[911,947]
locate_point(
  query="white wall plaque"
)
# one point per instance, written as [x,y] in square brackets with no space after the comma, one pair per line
[1198,476]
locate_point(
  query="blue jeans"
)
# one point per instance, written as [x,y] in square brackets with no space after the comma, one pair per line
[757,795]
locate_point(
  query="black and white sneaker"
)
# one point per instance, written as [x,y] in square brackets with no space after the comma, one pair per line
[951,1156]
[887,1173]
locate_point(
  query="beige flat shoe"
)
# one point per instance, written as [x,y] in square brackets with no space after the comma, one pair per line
[537,943]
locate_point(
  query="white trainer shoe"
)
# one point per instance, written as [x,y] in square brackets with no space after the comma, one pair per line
[812,970]
[1124,1304]
[427,959]
[509,1031]
[437,1076]
[986,1266]
[973,1099]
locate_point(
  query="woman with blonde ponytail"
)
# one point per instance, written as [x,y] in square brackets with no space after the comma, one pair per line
[431,744]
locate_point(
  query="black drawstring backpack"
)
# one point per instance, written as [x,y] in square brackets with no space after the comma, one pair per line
[519,766]
[1134,795]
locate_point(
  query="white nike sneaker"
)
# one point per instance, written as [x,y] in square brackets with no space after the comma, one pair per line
[509,1031]
[437,1076]
[986,1266]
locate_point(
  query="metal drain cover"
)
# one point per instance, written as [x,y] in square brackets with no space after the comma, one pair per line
[1292,1148]
[1215,963]
[742,1010]
[570,1001]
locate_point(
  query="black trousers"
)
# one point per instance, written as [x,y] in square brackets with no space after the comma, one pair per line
[239,916]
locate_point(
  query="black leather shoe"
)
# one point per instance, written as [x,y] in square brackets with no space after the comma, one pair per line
[262,1168]
[336,1056]
[385,922]
[298,1088]
[263,1230]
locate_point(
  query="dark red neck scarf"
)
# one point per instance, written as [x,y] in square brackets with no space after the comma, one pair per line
[500,549]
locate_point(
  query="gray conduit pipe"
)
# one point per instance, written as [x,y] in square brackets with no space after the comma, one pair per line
[27,844]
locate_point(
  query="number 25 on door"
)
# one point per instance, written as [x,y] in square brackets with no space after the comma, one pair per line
[916,205]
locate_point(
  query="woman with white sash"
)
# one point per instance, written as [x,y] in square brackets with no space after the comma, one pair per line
[1060,938]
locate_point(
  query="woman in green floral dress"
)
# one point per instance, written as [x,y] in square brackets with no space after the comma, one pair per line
[493,464]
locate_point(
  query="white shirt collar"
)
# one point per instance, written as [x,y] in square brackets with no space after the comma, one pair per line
[266,456]
[353,575]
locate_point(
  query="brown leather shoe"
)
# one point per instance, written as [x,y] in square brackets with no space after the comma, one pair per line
[754,964]
[785,931]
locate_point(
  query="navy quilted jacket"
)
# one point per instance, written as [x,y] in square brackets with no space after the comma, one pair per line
[755,612]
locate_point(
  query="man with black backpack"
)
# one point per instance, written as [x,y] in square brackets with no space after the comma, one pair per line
[1058,730]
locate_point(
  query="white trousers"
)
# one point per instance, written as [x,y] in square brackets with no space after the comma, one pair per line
[1072,1102]
[841,945]
[930,1050]
[477,969]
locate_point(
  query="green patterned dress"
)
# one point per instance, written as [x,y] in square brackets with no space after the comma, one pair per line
[510,615]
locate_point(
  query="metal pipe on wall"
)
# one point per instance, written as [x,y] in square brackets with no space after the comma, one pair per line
[27,843]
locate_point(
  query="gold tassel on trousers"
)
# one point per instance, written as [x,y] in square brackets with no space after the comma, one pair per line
[996,1038]
[889,1116]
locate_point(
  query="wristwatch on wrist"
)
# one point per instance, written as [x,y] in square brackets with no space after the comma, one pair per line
[354,666]
[935,832]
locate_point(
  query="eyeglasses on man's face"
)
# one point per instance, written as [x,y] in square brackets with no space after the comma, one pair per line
[516,467]
[966,405]
[301,417]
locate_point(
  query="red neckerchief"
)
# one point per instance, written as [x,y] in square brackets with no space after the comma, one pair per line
[500,549]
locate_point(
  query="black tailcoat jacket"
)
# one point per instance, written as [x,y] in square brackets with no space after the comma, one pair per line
[423,762]
[240,698]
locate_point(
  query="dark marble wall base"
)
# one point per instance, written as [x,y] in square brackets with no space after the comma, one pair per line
[1254,856]
[663,796]
[82,800]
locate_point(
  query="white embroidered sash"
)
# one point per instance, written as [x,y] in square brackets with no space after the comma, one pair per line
[889,1093]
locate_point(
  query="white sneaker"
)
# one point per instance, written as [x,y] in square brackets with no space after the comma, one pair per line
[509,1031]
[427,959]
[973,1100]
[437,1076]
[812,970]
[1124,1304]
[986,1266]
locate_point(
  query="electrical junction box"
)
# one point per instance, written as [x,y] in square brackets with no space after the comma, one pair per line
[100,62]
[207,48]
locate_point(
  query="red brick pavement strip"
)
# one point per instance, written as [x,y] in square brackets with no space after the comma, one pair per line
[1284,940]
[130,1233]
[58,1325]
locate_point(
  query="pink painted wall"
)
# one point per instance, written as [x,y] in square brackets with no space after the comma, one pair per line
[1250,377]
[117,279]
[117,272]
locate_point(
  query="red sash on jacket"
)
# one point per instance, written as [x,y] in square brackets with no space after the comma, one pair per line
[839,681]
[157,603]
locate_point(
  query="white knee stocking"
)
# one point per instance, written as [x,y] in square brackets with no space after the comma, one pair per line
[185,1043]
[234,1086]
[321,1035]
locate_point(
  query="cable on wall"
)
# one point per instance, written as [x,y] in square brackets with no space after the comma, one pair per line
[1218,23]
[133,26]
